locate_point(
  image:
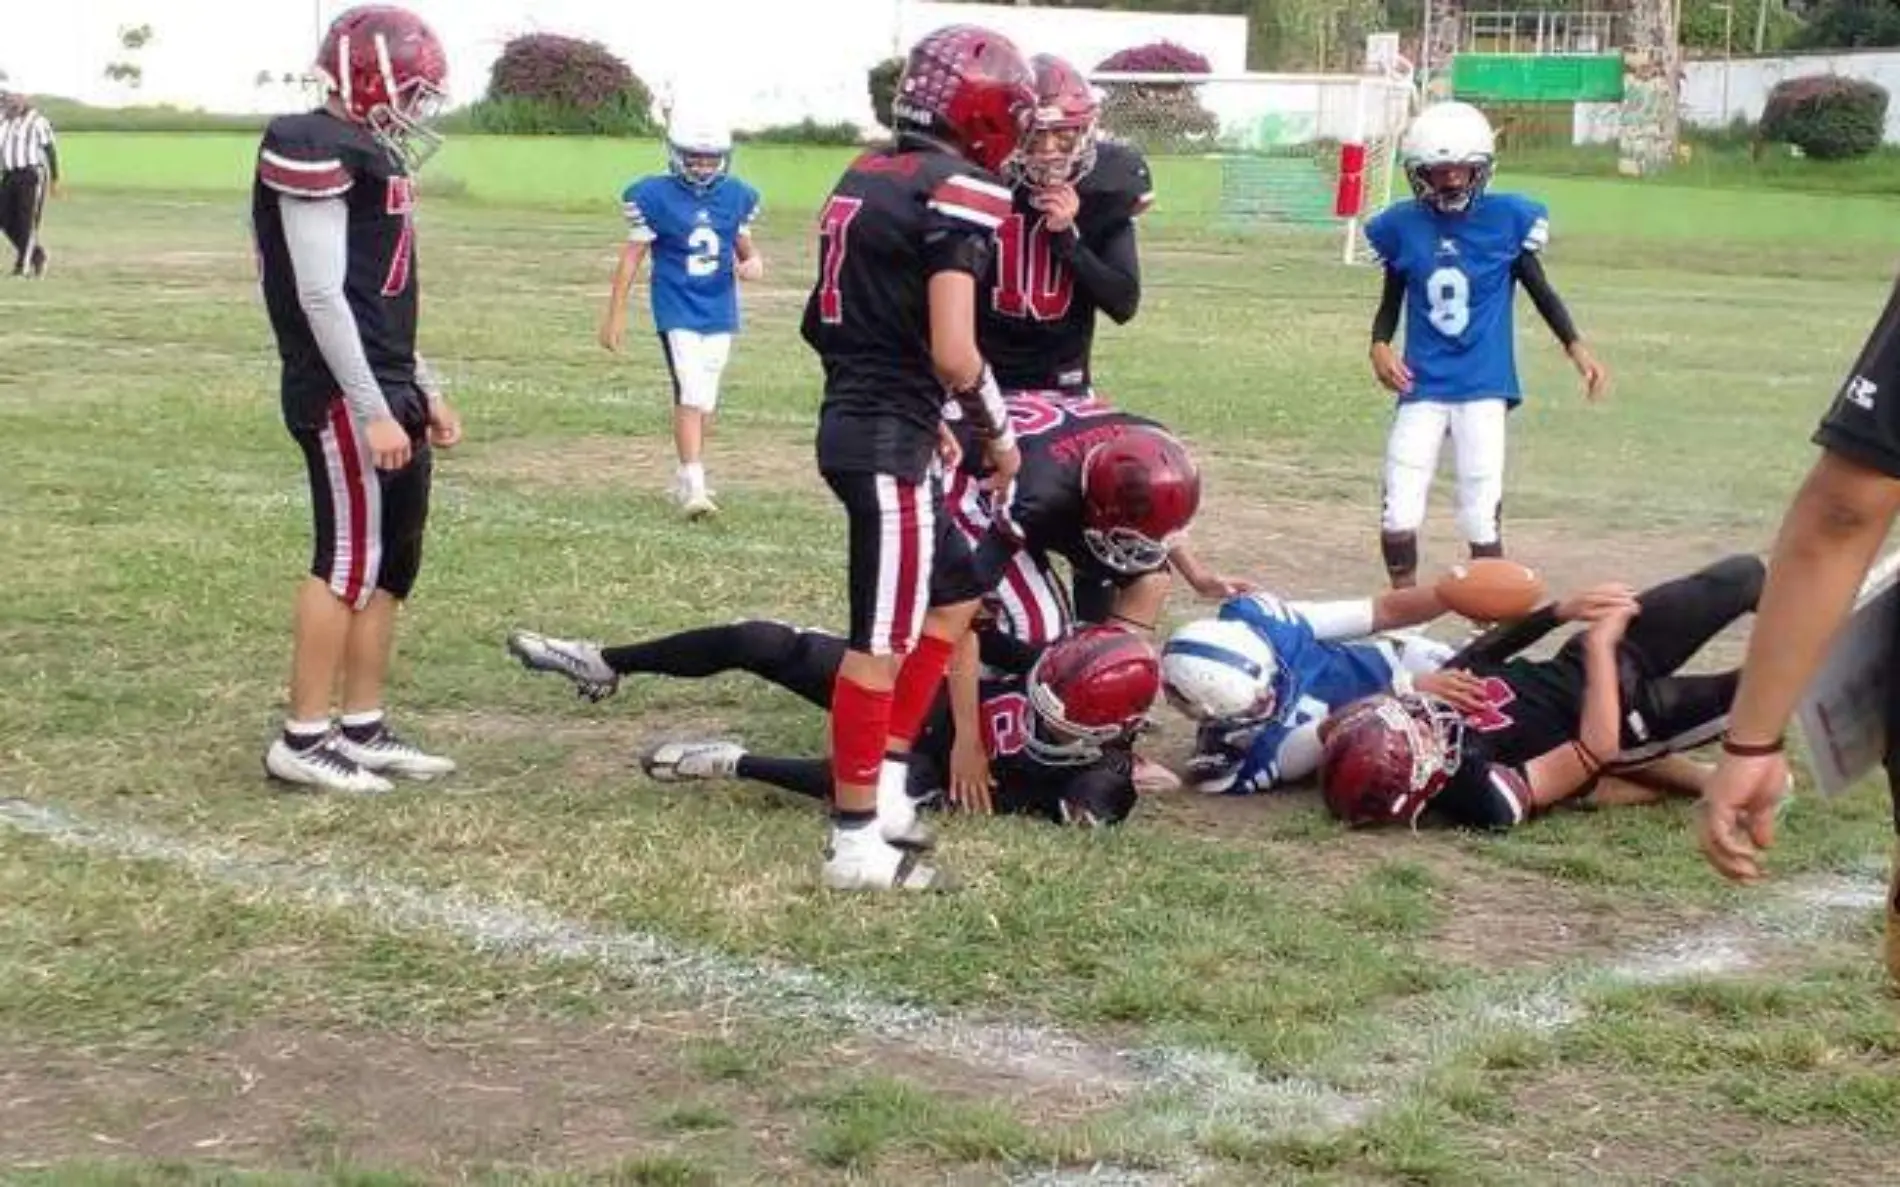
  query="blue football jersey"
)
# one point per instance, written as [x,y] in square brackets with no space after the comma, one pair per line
[691,238]
[1316,677]
[1459,339]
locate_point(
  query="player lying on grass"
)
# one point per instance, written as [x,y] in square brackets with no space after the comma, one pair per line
[1262,674]
[1611,701]
[1044,734]
[1452,260]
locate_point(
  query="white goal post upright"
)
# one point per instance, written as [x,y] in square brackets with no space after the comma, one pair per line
[1268,151]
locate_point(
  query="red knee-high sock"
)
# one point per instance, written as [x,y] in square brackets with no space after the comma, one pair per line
[917,684]
[860,723]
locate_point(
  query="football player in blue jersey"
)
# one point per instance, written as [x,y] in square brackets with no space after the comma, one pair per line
[1263,674]
[696,222]
[1453,259]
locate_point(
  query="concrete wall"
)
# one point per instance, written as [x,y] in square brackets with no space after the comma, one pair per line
[1750,80]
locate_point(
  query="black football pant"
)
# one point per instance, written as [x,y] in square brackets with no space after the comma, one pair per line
[1665,713]
[804,663]
[22,199]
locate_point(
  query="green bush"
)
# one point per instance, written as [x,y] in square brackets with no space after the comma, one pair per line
[1827,117]
[805,131]
[882,83]
[627,115]
[1159,118]
[547,85]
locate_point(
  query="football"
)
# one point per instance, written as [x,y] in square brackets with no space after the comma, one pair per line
[1491,589]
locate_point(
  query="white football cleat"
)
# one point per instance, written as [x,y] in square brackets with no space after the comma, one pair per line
[577,659]
[323,767]
[680,762]
[388,753]
[880,866]
[898,818]
[699,505]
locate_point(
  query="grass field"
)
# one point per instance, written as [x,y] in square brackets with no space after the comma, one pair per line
[551,968]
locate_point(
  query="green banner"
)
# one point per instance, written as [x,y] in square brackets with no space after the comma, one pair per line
[1531,78]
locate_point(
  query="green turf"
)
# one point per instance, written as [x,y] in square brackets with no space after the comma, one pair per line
[155,523]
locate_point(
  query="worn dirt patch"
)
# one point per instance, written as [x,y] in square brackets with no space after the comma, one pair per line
[740,460]
[282,1094]
[1574,1125]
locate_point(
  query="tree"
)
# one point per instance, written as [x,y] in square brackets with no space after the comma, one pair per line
[1850,24]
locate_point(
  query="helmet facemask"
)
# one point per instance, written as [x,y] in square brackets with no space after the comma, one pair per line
[1056,152]
[698,167]
[1449,187]
[1054,740]
[403,127]
[1127,550]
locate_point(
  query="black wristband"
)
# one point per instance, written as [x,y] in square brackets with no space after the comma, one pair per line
[1752,749]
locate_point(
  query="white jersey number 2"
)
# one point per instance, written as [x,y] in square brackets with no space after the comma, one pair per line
[1448,298]
[703,259]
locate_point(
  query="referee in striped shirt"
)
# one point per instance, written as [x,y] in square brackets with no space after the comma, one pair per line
[29,170]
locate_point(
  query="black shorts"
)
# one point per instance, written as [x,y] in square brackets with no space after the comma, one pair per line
[369,523]
[905,558]
[1864,423]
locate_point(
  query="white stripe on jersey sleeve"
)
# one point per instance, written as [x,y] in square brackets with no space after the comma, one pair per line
[979,188]
[638,230]
[1538,236]
[969,215]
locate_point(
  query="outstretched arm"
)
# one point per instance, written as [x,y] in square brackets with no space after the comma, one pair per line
[1529,271]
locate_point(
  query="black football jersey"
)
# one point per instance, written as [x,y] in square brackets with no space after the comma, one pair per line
[1038,325]
[1533,707]
[1055,434]
[896,218]
[315,156]
[1098,792]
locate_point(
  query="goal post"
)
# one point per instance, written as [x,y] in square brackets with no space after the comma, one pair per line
[1253,152]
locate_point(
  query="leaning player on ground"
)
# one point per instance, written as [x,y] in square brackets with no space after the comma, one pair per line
[1452,260]
[905,235]
[1827,542]
[1611,701]
[1263,674]
[696,221]
[1051,719]
[331,208]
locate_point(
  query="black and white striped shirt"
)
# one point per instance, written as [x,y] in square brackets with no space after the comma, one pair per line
[24,141]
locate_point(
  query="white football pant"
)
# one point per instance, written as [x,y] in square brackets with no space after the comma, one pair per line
[1476,429]
[696,362]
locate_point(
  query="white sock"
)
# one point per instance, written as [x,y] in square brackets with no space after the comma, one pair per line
[856,844]
[361,719]
[693,478]
[893,793]
[307,729]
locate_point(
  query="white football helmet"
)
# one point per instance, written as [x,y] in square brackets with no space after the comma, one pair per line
[1217,670]
[1448,134]
[698,150]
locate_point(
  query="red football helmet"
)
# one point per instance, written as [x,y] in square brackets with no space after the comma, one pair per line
[1386,756]
[1088,690]
[970,90]
[388,69]
[1140,491]
[1061,145]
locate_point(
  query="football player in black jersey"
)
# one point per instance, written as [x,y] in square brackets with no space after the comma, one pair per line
[1611,701]
[331,209]
[1067,250]
[1051,724]
[904,237]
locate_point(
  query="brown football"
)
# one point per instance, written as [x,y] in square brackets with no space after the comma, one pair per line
[1491,589]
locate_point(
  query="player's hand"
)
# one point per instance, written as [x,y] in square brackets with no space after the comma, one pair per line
[1059,205]
[1606,630]
[1456,687]
[1596,602]
[445,424]
[1216,588]
[1004,464]
[970,780]
[752,267]
[1737,820]
[613,331]
[1390,369]
[388,443]
[1596,377]
[949,449]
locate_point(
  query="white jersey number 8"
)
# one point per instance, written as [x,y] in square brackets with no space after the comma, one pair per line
[1448,294]
[703,257]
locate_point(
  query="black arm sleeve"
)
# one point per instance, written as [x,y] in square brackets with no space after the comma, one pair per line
[1502,642]
[52,160]
[1529,271]
[1385,323]
[1109,272]
[1006,653]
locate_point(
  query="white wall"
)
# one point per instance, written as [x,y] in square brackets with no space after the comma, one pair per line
[767,61]
[1750,80]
